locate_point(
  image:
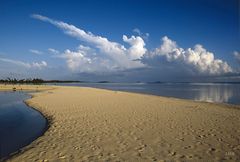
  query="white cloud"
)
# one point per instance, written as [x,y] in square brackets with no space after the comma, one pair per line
[197,59]
[137,49]
[113,52]
[53,51]
[237,55]
[85,59]
[37,65]
[103,55]
[19,63]
[35,51]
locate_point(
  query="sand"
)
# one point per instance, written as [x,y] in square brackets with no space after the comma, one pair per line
[24,87]
[89,124]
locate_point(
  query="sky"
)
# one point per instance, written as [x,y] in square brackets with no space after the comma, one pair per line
[121,41]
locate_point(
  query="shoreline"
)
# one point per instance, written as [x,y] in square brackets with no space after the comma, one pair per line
[44,87]
[62,91]
[48,118]
[25,148]
[147,92]
[230,105]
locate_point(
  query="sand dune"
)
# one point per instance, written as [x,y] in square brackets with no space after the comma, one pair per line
[90,124]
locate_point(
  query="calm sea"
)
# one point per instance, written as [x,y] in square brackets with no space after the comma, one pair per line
[210,92]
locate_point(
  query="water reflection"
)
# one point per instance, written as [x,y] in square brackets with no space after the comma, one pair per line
[209,92]
[214,94]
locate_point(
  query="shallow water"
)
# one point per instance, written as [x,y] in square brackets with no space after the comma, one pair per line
[19,124]
[210,92]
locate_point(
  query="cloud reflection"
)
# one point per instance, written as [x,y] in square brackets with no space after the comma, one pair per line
[214,94]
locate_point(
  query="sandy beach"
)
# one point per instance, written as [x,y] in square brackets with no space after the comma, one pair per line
[88,124]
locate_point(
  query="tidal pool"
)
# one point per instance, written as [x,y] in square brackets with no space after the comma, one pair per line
[19,124]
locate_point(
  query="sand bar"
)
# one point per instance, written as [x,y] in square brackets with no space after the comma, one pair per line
[24,87]
[89,124]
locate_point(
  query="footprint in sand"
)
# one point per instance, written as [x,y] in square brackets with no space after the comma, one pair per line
[172,153]
[141,148]
[211,150]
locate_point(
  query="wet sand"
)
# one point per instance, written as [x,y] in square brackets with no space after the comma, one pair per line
[89,124]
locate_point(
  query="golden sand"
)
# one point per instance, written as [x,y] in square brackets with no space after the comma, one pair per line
[26,87]
[89,124]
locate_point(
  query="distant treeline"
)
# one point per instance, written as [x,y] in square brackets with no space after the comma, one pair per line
[41,81]
[33,81]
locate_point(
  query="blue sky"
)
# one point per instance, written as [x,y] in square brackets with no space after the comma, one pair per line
[163,40]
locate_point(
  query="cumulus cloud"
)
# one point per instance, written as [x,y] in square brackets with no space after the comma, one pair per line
[37,65]
[237,55]
[120,57]
[197,59]
[35,51]
[53,51]
[137,49]
[103,55]
[84,59]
